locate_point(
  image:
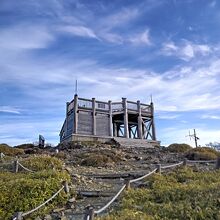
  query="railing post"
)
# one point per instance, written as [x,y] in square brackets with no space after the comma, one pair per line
[158,168]
[66,187]
[217,163]
[89,213]
[184,161]
[128,184]
[124,101]
[93,116]
[15,166]
[17,216]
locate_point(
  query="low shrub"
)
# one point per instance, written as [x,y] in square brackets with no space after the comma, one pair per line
[178,148]
[183,194]
[24,146]
[42,162]
[96,160]
[202,153]
[10,151]
[22,192]
[100,158]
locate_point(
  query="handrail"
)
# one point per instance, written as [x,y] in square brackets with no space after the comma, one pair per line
[172,165]
[38,207]
[25,168]
[111,201]
[201,161]
[142,177]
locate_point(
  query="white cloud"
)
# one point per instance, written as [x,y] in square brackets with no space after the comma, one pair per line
[79,31]
[214,117]
[10,109]
[25,37]
[142,38]
[186,50]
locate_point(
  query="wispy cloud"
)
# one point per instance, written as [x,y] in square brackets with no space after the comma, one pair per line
[186,50]
[79,31]
[208,116]
[10,109]
[140,39]
[25,37]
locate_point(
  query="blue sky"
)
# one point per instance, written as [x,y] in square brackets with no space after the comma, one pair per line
[168,48]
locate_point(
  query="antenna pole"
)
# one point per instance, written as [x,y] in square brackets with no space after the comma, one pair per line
[151,98]
[76,89]
[195,138]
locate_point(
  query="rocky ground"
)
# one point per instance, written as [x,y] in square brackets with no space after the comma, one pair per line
[99,170]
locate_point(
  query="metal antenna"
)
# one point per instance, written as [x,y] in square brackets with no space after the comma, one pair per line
[194,136]
[151,98]
[76,89]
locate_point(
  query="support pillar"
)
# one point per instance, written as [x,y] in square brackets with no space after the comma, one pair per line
[93,117]
[140,130]
[153,123]
[66,128]
[110,118]
[75,114]
[126,132]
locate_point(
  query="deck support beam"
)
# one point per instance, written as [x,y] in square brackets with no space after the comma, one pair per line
[152,122]
[75,121]
[110,118]
[140,130]
[93,117]
[126,132]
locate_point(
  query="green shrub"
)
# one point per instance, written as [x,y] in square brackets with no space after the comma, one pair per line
[100,158]
[202,153]
[10,151]
[179,148]
[42,162]
[25,191]
[182,194]
[96,160]
[24,146]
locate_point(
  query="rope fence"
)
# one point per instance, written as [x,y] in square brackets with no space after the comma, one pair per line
[90,212]
[20,215]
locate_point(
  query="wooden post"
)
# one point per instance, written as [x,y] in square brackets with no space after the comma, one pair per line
[89,213]
[126,132]
[158,168]
[184,161]
[140,130]
[152,122]
[15,166]
[75,114]
[110,118]
[17,216]
[93,117]
[66,187]
[128,184]
[218,163]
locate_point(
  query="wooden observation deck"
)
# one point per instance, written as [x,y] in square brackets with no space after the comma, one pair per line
[89,119]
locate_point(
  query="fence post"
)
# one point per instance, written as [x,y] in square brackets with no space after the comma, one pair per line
[66,187]
[89,213]
[17,216]
[16,166]
[218,163]
[158,168]
[184,161]
[128,184]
